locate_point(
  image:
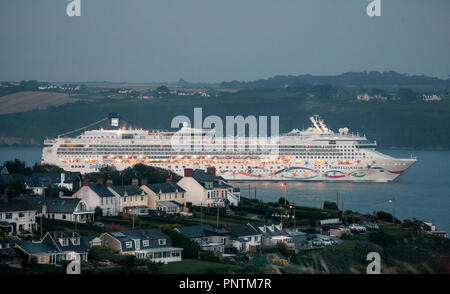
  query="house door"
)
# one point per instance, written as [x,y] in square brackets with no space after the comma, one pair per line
[137,245]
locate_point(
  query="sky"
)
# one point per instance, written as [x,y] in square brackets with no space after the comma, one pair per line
[145,41]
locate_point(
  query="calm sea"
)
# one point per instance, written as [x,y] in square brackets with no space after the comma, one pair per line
[423,191]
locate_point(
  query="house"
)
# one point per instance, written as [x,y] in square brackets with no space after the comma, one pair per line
[207,189]
[17,216]
[272,233]
[150,244]
[62,208]
[98,195]
[209,238]
[9,255]
[168,197]
[133,200]
[244,238]
[56,246]
[39,181]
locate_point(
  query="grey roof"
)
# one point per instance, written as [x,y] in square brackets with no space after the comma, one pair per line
[54,204]
[101,190]
[173,204]
[45,179]
[15,204]
[50,244]
[152,235]
[241,231]
[37,248]
[267,223]
[199,231]
[130,190]
[165,187]
[203,177]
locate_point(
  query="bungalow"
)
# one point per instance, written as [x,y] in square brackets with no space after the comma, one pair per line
[55,247]
[209,238]
[162,194]
[16,216]
[244,238]
[151,244]
[272,232]
[133,200]
[207,189]
[62,208]
[98,195]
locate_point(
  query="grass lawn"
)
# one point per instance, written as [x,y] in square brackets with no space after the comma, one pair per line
[198,267]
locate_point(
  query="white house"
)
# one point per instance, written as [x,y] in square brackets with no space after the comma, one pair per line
[245,238]
[98,195]
[17,216]
[207,189]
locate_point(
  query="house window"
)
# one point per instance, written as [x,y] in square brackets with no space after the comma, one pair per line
[175,253]
[1,215]
[64,242]
[142,198]
[125,199]
[162,241]
[145,243]
[8,215]
[129,244]
[21,214]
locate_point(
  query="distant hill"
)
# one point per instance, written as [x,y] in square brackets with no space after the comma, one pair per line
[30,100]
[373,79]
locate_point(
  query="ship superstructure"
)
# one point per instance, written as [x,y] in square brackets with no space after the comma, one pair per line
[314,154]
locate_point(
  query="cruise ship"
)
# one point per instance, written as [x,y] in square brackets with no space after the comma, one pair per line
[314,154]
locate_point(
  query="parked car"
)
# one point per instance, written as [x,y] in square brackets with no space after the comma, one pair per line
[328,241]
[316,242]
[358,228]
[99,224]
[311,236]
[371,226]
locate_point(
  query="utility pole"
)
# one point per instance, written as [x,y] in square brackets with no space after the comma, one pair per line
[132,221]
[284,190]
[217,216]
[337,200]
[343,218]
[293,207]
[248,191]
[393,209]
[201,213]
[255,192]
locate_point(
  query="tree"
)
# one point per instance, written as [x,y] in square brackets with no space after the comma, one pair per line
[54,190]
[47,168]
[330,205]
[17,166]
[98,212]
[190,248]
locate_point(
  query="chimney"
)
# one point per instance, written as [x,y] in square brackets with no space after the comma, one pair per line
[100,181]
[135,182]
[211,170]
[85,182]
[63,178]
[144,181]
[169,180]
[188,172]
[61,194]
[109,183]
[44,209]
